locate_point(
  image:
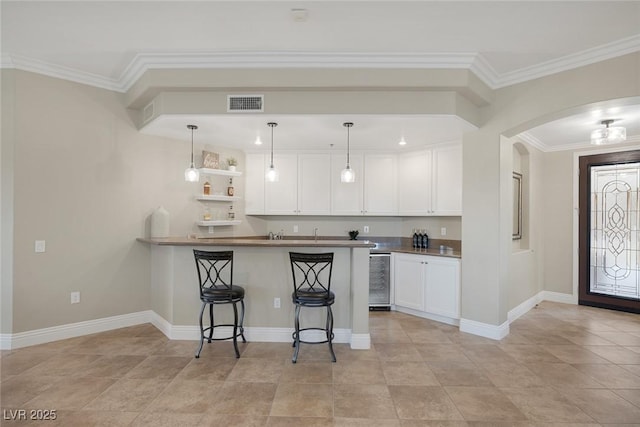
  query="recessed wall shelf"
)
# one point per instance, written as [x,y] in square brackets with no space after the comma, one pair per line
[217,198]
[207,171]
[217,222]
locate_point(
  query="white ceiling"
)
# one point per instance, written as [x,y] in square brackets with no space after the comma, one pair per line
[108,43]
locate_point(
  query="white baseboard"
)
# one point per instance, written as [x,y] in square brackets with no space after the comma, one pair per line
[484,329]
[430,316]
[559,297]
[72,330]
[360,341]
[524,307]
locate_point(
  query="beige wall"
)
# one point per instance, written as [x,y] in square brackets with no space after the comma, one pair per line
[7,102]
[487,173]
[84,179]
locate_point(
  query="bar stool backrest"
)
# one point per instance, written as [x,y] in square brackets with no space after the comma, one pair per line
[215,270]
[311,272]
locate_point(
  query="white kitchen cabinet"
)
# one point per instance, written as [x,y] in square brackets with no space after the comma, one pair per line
[442,286]
[347,198]
[430,182]
[414,183]
[447,180]
[254,184]
[380,189]
[303,186]
[314,184]
[408,279]
[427,284]
[281,196]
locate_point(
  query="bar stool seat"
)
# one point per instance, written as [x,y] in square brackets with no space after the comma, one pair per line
[215,277]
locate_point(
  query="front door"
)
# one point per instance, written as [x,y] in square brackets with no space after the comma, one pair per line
[609,239]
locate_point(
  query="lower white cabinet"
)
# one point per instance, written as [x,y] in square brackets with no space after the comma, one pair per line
[428,284]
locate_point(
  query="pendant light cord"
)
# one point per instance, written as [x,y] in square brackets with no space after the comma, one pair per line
[192,127]
[272,125]
[348,126]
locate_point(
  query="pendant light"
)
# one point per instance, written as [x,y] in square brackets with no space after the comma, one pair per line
[272,173]
[192,174]
[608,135]
[348,175]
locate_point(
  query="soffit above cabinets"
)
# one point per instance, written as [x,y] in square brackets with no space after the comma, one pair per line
[313,132]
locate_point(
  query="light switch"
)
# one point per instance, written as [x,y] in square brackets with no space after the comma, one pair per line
[295,228]
[443,231]
[40,247]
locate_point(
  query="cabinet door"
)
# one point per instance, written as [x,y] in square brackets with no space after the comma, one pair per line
[442,286]
[380,190]
[408,281]
[254,184]
[414,183]
[281,197]
[447,180]
[314,184]
[347,198]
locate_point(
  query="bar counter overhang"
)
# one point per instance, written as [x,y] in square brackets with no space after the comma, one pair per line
[262,267]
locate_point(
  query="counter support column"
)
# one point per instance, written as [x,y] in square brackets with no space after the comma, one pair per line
[360,338]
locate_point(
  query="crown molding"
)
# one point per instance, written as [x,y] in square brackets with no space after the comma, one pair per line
[36,66]
[474,62]
[143,62]
[533,141]
[579,59]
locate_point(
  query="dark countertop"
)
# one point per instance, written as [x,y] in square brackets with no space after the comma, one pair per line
[451,248]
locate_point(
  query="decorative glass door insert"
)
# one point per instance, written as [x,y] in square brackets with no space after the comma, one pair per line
[615,230]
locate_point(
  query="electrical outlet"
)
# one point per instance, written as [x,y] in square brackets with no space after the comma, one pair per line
[365,229]
[443,231]
[211,229]
[40,246]
[295,228]
[276,302]
[75,297]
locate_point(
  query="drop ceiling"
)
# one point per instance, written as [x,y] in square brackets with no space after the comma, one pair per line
[109,44]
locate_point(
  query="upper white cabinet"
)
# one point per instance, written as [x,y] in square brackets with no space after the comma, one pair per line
[380,188]
[430,182]
[281,196]
[314,184]
[347,198]
[303,186]
[419,183]
[447,180]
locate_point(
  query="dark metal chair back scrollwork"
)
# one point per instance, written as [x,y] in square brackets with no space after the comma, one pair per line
[215,280]
[312,288]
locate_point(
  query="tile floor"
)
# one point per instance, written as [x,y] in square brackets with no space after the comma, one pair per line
[562,365]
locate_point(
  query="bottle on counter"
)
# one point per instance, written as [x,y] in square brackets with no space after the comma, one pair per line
[425,240]
[206,190]
[230,190]
[415,238]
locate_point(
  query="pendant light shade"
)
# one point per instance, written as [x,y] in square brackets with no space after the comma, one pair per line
[348,175]
[272,173]
[192,174]
[608,135]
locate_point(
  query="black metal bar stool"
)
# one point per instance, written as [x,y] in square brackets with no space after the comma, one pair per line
[312,288]
[215,276]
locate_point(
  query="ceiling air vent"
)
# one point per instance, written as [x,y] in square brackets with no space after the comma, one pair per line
[245,103]
[147,113]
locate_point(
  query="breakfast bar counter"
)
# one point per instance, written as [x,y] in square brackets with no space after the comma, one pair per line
[262,267]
